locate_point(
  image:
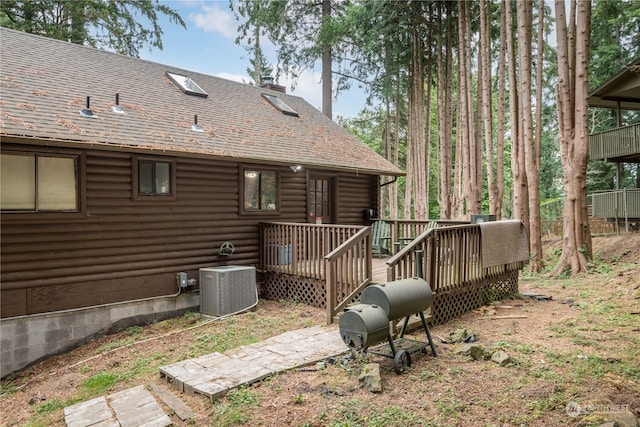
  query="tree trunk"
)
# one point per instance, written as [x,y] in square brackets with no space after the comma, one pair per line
[517,156]
[531,155]
[327,94]
[257,73]
[487,118]
[474,188]
[500,137]
[444,113]
[573,54]
[418,134]
[427,127]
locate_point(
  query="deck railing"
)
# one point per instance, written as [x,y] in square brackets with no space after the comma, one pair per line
[408,229]
[618,142]
[349,271]
[617,204]
[451,264]
[300,249]
[328,266]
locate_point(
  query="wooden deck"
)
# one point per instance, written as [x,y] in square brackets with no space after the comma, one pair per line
[330,265]
[379,270]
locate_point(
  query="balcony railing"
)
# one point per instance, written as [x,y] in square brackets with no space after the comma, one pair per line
[619,142]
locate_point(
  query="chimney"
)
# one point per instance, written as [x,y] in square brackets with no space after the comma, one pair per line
[269,83]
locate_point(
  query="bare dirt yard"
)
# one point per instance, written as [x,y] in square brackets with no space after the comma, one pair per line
[574,353]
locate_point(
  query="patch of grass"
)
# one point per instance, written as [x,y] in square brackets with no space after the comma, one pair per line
[50,406]
[8,388]
[209,343]
[606,307]
[235,409]
[449,407]
[591,367]
[428,375]
[349,413]
[500,345]
[394,416]
[100,383]
[134,331]
[454,371]
[112,345]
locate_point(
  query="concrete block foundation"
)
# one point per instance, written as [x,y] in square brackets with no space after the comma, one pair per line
[25,340]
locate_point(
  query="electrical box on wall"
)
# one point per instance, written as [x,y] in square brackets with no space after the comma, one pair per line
[182,280]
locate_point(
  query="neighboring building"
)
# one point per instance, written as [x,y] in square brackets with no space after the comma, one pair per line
[619,145]
[119,173]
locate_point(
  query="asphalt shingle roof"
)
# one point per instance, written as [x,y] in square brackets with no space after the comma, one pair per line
[44,84]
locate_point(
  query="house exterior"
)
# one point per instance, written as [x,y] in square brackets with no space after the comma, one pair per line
[119,173]
[618,145]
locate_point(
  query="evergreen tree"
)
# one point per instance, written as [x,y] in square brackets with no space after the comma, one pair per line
[107,24]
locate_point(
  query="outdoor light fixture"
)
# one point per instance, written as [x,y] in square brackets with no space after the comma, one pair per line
[296,168]
[87,112]
[194,126]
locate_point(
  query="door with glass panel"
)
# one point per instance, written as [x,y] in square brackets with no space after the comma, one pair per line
[321,199]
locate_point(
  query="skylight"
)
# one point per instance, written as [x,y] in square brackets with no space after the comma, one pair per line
[280,105]
[187,85]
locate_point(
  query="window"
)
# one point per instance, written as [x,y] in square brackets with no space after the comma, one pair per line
[187,85]
[280,105]
[34,182]
[260,190]
[153,179]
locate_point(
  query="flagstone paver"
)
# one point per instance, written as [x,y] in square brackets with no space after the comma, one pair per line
[211,375]
[215,374]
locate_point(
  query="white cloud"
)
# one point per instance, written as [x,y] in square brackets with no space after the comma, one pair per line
[213,19]
[308,86]
[233,77]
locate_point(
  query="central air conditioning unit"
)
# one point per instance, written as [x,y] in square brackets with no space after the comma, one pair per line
[227,289]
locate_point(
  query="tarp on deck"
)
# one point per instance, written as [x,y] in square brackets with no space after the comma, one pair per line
[503,242]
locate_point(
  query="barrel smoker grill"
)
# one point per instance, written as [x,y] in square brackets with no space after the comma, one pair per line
[367,323]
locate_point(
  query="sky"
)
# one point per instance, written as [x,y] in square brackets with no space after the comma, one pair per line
[208,46]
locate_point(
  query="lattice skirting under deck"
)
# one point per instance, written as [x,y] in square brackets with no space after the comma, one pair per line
[278,286]
[456,302]
[446,304]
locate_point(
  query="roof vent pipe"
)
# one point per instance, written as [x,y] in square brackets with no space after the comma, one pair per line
[194,126]
[86,112]
[117,108]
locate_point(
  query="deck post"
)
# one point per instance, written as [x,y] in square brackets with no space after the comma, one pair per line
[330,277]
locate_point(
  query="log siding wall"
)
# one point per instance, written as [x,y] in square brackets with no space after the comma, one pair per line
[123,249]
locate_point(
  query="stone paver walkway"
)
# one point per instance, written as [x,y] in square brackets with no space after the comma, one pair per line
[132,407]
[212,376]
[215,374]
